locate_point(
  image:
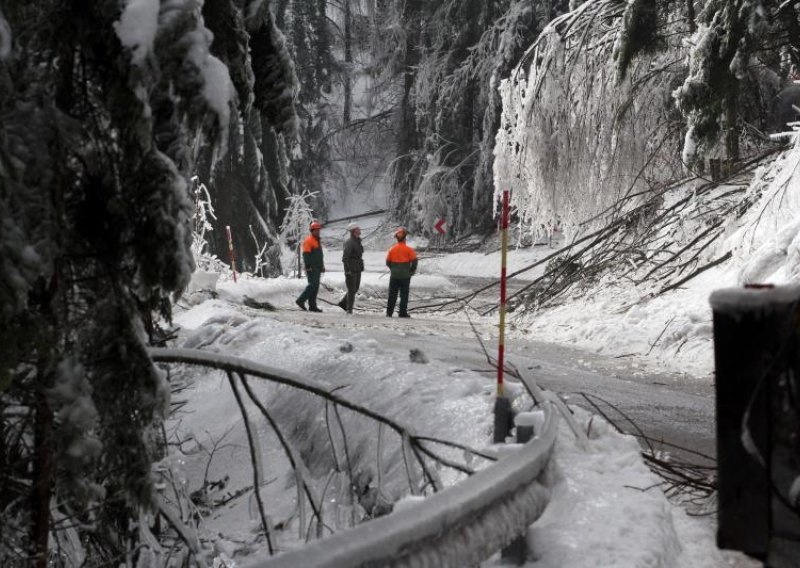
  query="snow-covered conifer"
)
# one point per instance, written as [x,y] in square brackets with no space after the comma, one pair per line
[103,107]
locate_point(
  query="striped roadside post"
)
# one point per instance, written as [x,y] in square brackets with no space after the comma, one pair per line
[231,254]
[502,405]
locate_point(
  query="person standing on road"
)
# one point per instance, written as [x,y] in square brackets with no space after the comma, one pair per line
[353,260]
[402,262]
[315,266]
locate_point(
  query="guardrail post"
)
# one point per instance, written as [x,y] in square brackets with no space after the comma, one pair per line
[517,551]
[503,419]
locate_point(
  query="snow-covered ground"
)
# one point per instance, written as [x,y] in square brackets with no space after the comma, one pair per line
[604,512]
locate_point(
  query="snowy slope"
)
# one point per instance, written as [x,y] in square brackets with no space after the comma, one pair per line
[673,331]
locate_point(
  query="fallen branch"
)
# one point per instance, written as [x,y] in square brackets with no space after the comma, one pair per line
[294,457]
[697,272]
[254,461]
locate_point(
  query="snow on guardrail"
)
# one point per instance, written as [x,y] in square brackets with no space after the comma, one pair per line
[459,526]
[462,525]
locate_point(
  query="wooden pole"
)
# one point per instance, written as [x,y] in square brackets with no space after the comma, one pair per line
[503,417]
[501,345]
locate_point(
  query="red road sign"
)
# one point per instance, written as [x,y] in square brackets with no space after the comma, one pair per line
[439,226]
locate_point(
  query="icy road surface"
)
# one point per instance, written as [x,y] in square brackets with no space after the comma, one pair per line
[668,406]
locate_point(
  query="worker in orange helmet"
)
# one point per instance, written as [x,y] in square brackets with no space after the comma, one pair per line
[315,266]
[402,262]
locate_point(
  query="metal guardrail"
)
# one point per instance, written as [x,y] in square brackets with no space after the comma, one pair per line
[459,526]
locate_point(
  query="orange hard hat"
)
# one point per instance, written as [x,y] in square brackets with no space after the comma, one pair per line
[315,225]
[401,231]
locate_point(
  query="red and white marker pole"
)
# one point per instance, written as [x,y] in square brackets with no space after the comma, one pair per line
[502,406]
[231,254]
[501,344]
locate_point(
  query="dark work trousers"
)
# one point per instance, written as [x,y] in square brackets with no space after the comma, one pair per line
[398,285]
[353,282]
[310,293]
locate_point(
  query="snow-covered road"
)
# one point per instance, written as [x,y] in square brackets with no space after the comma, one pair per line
[668,406]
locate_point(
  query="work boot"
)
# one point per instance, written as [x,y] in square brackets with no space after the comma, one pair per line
[403,316]
[343,304]
[388,314]
[301,304]
[314,309]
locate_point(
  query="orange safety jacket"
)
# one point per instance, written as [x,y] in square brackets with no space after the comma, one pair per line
[312,253]
[401,260]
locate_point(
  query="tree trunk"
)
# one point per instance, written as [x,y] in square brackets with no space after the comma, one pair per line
[348,63]
[42,475]
[406,128]
[731,130]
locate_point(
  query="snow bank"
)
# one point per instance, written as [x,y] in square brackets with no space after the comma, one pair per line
[606,510]
[766,241]
[428,398]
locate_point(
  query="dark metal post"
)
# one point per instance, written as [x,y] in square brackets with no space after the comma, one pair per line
[756,344]
[503,419]
[517,551]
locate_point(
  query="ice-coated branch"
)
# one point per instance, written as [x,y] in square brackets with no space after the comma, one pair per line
[184,532]
[350,487]
[680,477]
[254,461]
[295,460]
[460,526]
[231,364]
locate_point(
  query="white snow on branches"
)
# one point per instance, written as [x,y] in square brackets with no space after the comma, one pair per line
[217,86]
[141,23]
[137,27]
[5,37]
[766,243]
[572,141]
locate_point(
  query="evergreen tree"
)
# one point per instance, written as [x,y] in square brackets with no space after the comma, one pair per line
[249,183]
[449,110]
[102,107]
[729,35]
[309,44]
[740,49]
